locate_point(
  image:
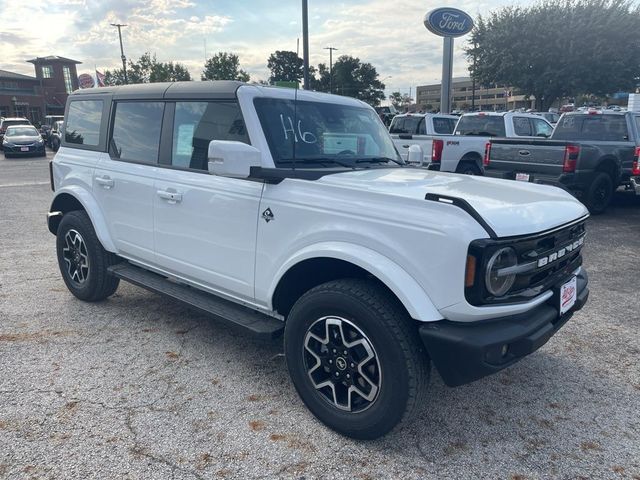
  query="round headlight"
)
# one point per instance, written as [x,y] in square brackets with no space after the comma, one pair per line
[499,284]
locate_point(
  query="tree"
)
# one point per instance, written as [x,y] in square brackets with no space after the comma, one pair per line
[559,48]
[351,78]
[399,100]
[224,66]
[285,66]
[147,69]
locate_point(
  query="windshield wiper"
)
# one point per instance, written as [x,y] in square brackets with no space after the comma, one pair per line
[322,161]
[379,160]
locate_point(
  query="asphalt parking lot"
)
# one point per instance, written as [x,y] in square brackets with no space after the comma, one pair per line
[142,387]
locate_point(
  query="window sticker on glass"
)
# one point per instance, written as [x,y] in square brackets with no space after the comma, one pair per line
[185,139]
[335,143]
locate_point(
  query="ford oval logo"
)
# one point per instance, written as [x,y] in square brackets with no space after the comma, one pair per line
[448,22]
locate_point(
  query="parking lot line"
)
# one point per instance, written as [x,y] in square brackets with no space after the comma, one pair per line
[23,184]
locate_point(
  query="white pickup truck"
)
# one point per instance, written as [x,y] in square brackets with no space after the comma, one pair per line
[464,151]
[290,212]
[417,128]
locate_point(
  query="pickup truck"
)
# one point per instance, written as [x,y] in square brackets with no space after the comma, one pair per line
[589,153]
[285,212]
[418,129]
[463,152]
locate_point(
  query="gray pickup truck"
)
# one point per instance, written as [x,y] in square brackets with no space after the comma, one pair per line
[589,153]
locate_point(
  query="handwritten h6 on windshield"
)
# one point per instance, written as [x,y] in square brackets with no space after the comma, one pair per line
[306,137]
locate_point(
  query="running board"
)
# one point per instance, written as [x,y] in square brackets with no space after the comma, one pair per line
[231,313]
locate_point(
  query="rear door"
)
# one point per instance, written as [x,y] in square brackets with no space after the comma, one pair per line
[411,130]
[123,180]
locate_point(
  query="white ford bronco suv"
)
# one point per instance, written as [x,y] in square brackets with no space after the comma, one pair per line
[285,211]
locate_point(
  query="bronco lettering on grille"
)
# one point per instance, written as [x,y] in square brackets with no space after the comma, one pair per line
[546,260]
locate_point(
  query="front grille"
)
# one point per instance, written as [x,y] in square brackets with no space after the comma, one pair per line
[546,259]
[540,247]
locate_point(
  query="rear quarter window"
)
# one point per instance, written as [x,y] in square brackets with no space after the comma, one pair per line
[83,122]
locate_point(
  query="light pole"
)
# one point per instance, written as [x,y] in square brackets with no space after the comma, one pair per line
[124,59]
[331,49]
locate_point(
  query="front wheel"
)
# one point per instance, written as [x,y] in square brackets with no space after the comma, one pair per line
[355,357]
[82,260]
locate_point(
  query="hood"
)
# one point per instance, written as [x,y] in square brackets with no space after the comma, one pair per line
[510,208]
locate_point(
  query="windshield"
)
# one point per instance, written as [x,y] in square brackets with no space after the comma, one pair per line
[324,134]
[592,127]
[22,132]
[482,125]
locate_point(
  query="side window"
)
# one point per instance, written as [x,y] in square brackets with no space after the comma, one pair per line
[443,126]
[521,126]
[196,124]
[136,131]
[541,127]
[83,122]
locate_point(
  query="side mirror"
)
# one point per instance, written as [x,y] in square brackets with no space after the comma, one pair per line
[415,155]
[232,159]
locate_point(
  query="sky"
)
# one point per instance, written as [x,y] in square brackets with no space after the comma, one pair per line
[388,34]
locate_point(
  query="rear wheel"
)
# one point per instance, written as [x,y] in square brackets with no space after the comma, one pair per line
[468,167]
[600,193]
[355,358]
[82,260]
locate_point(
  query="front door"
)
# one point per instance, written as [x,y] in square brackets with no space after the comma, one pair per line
[205,225]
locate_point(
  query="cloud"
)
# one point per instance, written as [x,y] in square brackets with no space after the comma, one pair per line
[391,36]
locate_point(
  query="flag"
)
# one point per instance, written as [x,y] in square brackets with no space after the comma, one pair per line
[100,78]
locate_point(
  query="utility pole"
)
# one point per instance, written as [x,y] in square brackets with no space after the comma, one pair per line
[305,42]
[473,78]
[331,49]
[124,59]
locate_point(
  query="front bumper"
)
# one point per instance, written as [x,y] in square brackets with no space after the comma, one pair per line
[465,352]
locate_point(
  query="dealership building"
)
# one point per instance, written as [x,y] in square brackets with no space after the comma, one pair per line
[44,94]
[488,98]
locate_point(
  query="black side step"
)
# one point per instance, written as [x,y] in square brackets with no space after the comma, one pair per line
[233,314]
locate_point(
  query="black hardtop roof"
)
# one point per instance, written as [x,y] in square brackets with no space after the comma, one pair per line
[222,89]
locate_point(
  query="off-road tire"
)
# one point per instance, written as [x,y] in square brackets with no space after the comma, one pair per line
[600,193]
[97,284]
[403,363]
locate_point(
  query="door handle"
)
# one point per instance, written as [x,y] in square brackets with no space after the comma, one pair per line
[524,153]
[170,197]
[405,146]
[105,182]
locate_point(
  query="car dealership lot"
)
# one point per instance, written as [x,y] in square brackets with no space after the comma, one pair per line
[140,386]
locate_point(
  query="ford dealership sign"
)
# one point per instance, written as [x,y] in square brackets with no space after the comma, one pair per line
[448,22]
